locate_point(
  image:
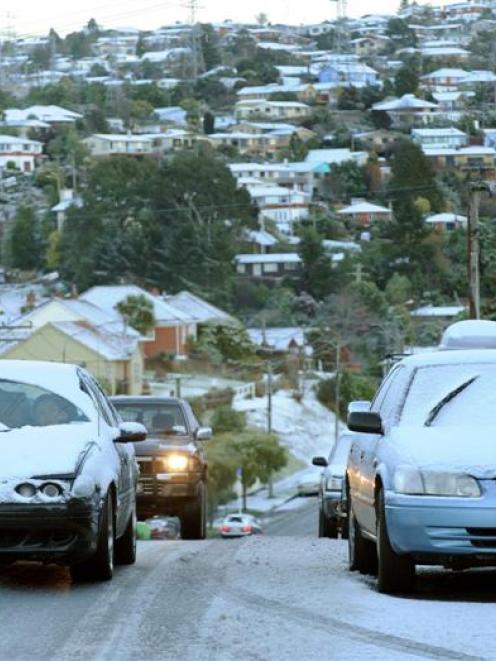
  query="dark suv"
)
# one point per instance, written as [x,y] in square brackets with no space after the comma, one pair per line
[173,462]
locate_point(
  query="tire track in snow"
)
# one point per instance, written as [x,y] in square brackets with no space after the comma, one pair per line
[354,631]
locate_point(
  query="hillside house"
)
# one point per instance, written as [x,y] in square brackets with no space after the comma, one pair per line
[20,153]
[272,266]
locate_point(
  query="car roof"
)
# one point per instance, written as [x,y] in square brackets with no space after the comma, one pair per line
[454,357]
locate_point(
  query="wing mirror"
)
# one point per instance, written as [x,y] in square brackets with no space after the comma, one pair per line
[319,461]
[131,432]
[365,422]
[203,434]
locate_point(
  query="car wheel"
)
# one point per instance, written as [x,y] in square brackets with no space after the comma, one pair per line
[362,554]
[194,517]
[100,566]
[125,547]
[396,573]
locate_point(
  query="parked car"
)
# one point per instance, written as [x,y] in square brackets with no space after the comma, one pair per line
[240,525]
[173,462]
[332,517]
[421,473]
[308,485]
[164,527]
[68,472]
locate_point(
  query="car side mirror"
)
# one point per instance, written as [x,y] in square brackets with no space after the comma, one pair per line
[319,461]
[203,434]
[131,432]
[365,422]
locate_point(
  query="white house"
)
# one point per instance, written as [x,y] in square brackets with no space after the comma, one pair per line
[268,265]
[285,110]
[20,152]
[281,205]
[445,138]
[446,222]
[48,114]
[408,110]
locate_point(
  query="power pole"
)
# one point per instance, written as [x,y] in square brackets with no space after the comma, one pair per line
[473,251]
[193,6]
[269,398]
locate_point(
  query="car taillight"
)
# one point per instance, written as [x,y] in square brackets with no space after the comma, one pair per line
[225,529]
[246,529]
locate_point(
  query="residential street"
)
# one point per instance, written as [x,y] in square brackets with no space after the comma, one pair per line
[274,596]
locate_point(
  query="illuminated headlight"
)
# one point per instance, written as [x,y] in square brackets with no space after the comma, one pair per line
[176,463]
[435,483]
[26,490]
[334,483]
[51,490]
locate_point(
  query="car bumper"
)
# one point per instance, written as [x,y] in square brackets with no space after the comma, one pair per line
[61,533]
[430,526]
[167,495]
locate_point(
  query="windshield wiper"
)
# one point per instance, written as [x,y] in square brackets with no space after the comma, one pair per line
[446,399]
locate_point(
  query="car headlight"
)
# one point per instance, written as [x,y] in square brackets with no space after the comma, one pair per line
[176,463]
[26,489]
[51,490]
[414,482]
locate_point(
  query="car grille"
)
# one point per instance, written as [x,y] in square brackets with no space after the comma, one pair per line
[146,468]
[152,487]
[488,536]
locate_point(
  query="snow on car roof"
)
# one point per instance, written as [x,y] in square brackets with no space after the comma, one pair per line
[470,334]
[451,357]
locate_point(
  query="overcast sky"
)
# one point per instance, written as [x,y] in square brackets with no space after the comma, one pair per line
[37,16]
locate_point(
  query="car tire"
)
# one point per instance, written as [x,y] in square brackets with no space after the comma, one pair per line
[125,546]
[362,555]
[194,517]
[328,527]
[396,573]
[100,566]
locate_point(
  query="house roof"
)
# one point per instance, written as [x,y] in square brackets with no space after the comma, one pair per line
[364,207]
[109,345]
[441,132]
[194,306]
[108,297]
[269,258]
[44,113]
[406,102]
[446,218]
[262,238]
[438,311]
[335,156]
[446,73]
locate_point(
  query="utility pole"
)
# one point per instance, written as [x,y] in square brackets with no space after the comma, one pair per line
[473,250]
[269,418]
[193,6]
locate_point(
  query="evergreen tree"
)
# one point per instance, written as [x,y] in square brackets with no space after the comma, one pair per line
[406,81]
[412,176]
[25,240]
[316,275]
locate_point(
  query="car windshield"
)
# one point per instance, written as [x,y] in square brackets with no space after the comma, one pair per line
[23,404]
[161,418]
[452,395]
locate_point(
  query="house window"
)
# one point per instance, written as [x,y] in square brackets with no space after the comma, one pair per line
[270,268]
[241,268]
[291,266]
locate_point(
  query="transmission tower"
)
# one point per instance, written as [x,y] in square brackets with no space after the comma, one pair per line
[341,9]
[341,15]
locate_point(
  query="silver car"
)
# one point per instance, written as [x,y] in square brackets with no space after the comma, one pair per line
[421,474]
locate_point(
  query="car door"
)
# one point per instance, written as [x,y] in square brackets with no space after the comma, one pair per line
[125,454]
[389,409]
[361,463]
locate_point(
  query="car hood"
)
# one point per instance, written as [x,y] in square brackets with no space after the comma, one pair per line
[469,448]
[54,450]
[157,446]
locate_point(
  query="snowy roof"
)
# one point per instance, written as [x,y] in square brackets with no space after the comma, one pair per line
[440,132]
[364,207]
[197,308]
[330,244]
[269,258]
[406,102]
[444,51]
[470,334]
[16,140]
[279,339]
[446,73]
[44,113]
[109,345]
[438,311]
[108,297]
[335,156]
[480,77]
[446,218]
[262,238]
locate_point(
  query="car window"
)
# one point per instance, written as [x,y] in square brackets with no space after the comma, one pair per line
[392,403]
[383,389]
[23,404]
[99,401]
[434,384]
[158,417]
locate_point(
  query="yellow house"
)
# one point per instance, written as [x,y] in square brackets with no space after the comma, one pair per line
[116,361]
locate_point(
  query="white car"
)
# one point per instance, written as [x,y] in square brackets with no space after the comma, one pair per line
[240,525]
[309,484]
[67,471]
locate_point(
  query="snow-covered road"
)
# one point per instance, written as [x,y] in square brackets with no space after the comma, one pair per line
[283,595]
